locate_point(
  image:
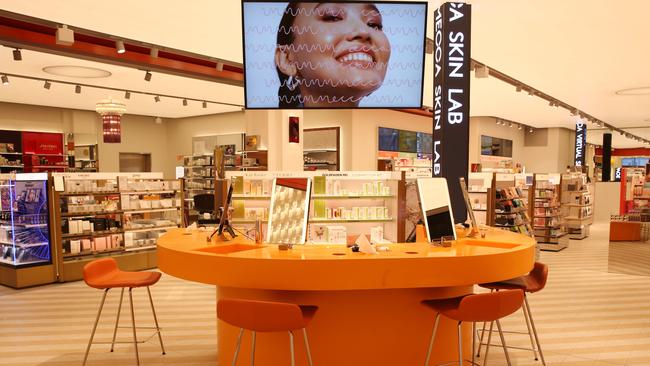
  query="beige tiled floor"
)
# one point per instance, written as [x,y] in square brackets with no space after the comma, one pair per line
[585,316]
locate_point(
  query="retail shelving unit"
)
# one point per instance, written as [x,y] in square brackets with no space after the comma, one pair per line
[349,199]
[11,156]
[198,178]
[120,215]
[477,186]
[25,230]
[508,210]
[86,158]
[548,222]
[577,198]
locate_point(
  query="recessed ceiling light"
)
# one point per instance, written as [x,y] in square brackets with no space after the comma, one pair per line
[634,91]
[77,72]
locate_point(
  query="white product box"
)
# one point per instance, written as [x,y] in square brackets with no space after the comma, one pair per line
[377,234]
[335,234]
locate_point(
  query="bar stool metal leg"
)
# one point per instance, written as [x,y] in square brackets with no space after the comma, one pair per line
[433,337]
[304,334]
[532,323]
[155,319]
[293,356]
[92,334]
[473,343]
[253,348]
[135,336]
[234,358]
[487,346]
[117,321]
[460,344]
[530,331]
[503,342]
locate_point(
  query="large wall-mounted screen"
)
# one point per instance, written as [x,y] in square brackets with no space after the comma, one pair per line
[333,55]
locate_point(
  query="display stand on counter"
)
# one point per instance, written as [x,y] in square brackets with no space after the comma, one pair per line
[342,204]
[508,209]
[477,189]
[25,230]
[548,222]
[120,215]
[577,198]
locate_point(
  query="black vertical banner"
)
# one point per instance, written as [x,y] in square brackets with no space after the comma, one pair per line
[451,67]
[581,143]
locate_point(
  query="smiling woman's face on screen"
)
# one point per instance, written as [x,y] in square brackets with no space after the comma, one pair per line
[339,52]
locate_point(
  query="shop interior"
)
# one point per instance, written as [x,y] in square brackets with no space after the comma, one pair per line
[93,190]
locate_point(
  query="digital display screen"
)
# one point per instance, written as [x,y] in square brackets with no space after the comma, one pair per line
[333,55]
[425,143]
[408,141]
[388,139]
[628,162]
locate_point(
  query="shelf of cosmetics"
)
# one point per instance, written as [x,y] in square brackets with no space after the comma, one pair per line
[510,211]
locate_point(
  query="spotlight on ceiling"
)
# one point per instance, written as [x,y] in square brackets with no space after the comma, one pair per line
[127,95]
[47,85]
[519,127]
[551,104]
[153,52]
[185,102]
[157,99]
[220,66]
[518,88]
[158,120]
[64,36]
[119,46]
[77,89]
[511,125]
[530,129]
[531,92]
[205,104]
[498,121]
[5,80]
[18,56]
[147,76]
[575,112]
[481,71]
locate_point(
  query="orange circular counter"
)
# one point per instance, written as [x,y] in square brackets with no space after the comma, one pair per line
[369,305]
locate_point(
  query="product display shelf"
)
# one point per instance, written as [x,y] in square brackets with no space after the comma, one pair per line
[120,215]
[198,178]
[25,230]
[251,201]
[10,161]
[321,149]
[478,185]
[577,200]
[547,219]
[508,210]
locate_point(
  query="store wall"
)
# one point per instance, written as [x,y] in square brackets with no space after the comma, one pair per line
[334,118]
[607,201]
[487,126]
[140,134]
[548,150]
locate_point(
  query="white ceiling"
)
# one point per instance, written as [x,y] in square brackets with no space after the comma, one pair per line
[579,51]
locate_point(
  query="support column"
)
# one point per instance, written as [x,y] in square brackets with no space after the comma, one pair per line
[607,157]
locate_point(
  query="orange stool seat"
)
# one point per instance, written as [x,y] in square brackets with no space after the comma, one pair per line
[488,307]
[266,316]
[533,282]
[104,274]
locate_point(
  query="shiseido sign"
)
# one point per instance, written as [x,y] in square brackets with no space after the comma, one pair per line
[581,143]
[452,34]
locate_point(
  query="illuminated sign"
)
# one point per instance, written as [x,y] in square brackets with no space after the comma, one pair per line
[581,143]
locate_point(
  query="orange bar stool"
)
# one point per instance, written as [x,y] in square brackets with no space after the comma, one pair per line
[533,282]
[489,307]
[104,274]
[265,316]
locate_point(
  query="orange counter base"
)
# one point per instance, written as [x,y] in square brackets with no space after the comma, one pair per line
[369,305]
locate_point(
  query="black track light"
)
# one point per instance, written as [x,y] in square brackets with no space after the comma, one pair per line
[47,85]
[5,80]
[77,89]
[147,76]
[185,102]
[127,95]
[205,104]
[157,99]
[17,55]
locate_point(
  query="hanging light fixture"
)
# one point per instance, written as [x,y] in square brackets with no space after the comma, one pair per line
[111,112]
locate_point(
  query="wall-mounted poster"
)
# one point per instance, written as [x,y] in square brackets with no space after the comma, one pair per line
[408,141]
[388,139]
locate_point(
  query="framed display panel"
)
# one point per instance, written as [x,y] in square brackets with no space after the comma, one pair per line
[436,209]
[388,139]
[494,146]
[407,141]
[289,211]
[321,148]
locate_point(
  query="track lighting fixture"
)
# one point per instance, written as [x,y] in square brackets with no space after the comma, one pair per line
[219,66]
[119,46]
[158,120]
[518,88]
[185,102]
[531,92]
[205,104]
[127,95]
[519,127]
[153,52]
[5,80]
[147,76]
[530,129]
[47,85]
[17,55]
[498,121]
[574,113]
[481,71]
[511,125]
[77,89]
[157,99]
[64,36]
[551,104]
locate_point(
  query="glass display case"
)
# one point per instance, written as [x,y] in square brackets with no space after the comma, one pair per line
[24,221]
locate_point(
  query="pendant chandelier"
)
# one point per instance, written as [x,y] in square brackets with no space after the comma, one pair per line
[111,112]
